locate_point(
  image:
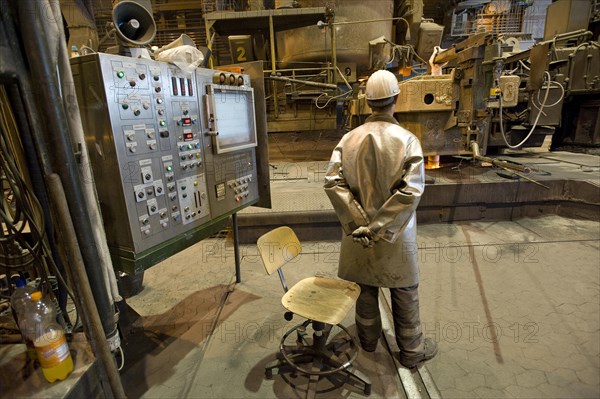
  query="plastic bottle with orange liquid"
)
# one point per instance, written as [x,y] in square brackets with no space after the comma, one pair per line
[49,339]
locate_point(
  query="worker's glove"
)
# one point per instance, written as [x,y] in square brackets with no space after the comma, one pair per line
[364,236]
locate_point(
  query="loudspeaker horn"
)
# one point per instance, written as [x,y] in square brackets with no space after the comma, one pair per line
[134,23]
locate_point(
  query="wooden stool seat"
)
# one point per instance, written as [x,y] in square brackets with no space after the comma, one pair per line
[322,299]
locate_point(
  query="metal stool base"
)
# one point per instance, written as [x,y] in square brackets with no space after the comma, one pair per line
[321,365]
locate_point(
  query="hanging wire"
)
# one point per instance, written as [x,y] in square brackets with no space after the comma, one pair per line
[329,99]
[543,105]
[23,234]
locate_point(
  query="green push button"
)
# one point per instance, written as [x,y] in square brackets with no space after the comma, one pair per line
[162,123]
[120,74]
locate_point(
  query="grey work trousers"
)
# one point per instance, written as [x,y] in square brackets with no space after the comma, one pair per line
[405,311]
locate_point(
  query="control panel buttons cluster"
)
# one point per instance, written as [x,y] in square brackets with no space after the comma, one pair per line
[240,187]
[192,198]
[190,154]
[131,137]
[148,195]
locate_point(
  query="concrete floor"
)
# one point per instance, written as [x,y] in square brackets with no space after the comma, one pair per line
[513,305]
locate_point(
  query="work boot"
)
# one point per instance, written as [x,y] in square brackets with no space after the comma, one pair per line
[411,360]
[368,346]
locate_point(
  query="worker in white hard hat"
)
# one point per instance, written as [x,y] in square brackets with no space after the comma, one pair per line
[375,180]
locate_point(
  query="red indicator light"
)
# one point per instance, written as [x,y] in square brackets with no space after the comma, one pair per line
[186,121]
[188,136]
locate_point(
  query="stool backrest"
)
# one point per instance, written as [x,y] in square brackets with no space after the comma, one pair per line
[278,247]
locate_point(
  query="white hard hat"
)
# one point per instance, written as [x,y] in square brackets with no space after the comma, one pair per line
[382,85]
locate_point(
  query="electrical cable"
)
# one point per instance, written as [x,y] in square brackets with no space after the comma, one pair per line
[27,213]
[329,99]
[122,359]
[562,96]
[543,105]
[402,49]
[524,66]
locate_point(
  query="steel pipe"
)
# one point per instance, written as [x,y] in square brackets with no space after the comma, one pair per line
[43,70]
[85,297]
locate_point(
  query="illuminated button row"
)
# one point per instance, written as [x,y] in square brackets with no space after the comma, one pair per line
[191,146]
[141,76]
[186,122]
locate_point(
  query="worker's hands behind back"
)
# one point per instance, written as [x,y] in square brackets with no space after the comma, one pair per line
[364,236]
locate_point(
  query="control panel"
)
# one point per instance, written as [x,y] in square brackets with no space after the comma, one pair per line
[159,176]
[230,136]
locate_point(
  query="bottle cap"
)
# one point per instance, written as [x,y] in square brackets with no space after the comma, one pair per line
[18,281]
[36,296]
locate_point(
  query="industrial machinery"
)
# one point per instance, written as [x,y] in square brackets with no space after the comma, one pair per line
[173,153]
[494,94]
[494,88]
[318,51]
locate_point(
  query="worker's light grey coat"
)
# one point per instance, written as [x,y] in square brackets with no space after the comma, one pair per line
[376,178]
